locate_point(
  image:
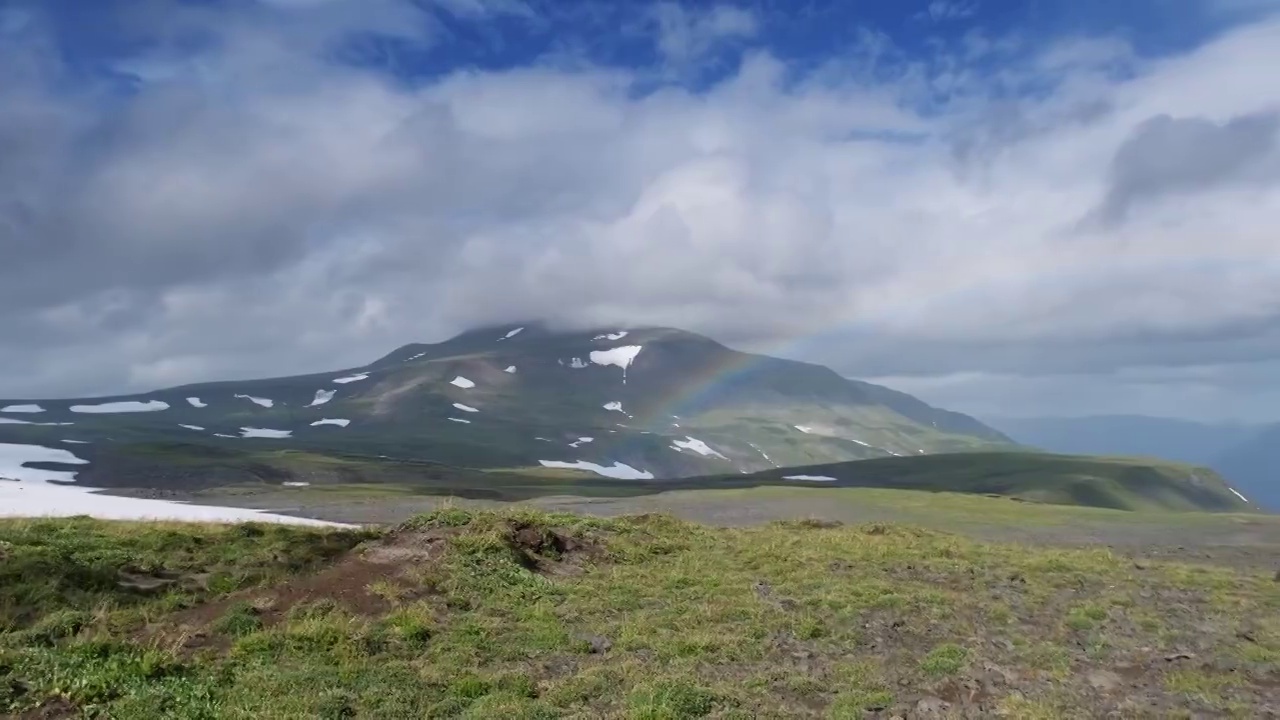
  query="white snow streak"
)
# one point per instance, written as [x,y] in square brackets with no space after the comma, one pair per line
[191,427]
[460,420]
[580,441]
[322,397]
[1238,494]
[465,408]
[763,454]
[696,445]
[264,402]
[30,408]
[196,402]
[415,357]
[617,471]
[351,378]
[76,442]
[462,382]
[611,336]
[511,334]
[510,369]
[126,406]
[810,478]
[253,432]
[340,422]
[804,429]
[615,405]
[295,483]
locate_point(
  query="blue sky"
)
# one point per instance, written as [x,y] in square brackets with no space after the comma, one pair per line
[1004,206]
[432,37]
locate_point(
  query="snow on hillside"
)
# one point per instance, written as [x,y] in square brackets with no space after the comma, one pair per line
[28,408]
[264,402]
[618,470]
[124,406]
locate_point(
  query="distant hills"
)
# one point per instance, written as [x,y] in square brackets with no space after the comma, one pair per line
[1119,483]
[1246,455]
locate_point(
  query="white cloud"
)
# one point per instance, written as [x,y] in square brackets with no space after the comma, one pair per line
[273,189]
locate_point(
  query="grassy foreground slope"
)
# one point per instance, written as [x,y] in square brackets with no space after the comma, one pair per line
[1119,483]
[524,614]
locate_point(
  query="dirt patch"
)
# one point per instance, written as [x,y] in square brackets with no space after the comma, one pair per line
[553,551]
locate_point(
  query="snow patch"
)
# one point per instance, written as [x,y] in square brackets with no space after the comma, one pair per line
[351,378]
[611,336]
[38,499]
[126,406]
[696,445]
[805,429]
[190,427]
[615,405]
[510,369]
[253,432]
[340,422]
[29,408]
[14,457]
[75,442]
[617,471]
[224,435]
[1245,499]
[295,483]
[460,420]
[620,356]
[196,402]
[577,363]
[415,357]
[511,334]
[581,441]
[264,402]
[465,408]
[809,478]
[322,397]
[462,382]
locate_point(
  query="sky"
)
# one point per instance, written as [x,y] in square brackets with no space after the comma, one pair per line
[1005,207]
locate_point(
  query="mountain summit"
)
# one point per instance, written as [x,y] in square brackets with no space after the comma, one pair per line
[626,403]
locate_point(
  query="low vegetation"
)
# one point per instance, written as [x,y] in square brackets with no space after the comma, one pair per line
[522,614]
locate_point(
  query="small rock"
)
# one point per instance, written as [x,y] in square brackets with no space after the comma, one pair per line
[598,643]
[932,706]
[1103,680]
[763,589]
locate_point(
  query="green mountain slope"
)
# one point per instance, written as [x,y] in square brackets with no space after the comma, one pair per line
[653,402]
[1120,483]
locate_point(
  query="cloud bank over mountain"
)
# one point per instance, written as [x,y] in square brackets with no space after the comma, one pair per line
[246,188]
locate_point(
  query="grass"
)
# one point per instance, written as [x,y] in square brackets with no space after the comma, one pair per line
[524,614]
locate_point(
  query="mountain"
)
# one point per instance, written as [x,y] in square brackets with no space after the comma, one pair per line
[1119,483]
[639,403]
[1255,465]
[1247,455]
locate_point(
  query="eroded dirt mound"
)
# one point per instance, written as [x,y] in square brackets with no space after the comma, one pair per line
[369,580]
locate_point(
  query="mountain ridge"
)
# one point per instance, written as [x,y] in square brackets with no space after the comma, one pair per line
[653,401]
